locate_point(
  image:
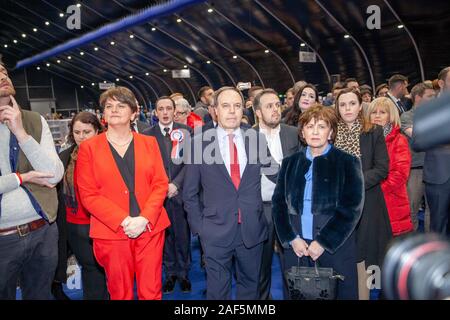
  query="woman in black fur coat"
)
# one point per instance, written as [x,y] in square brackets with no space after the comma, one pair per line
[318,201]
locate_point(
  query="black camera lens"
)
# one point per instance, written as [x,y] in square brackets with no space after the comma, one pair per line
[417,268]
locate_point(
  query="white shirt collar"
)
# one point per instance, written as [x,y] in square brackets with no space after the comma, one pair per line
[222,134]
[273,132]
[161,127]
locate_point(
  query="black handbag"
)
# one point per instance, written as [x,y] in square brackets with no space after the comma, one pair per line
[312,283]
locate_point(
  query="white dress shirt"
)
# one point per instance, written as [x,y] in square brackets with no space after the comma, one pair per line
[276,151]
[224,146]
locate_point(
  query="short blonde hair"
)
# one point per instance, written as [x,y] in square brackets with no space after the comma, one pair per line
[388,105]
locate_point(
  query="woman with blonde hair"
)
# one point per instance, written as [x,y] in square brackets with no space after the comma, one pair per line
[364,140]
[383,112]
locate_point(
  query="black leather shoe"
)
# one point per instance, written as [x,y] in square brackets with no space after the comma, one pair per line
[169,284]
[185,285]
[58,292]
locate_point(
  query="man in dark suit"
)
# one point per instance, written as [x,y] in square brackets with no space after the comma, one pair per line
[283,141]
[172,137]
[436,175]
[398,88]
[248,111]
[138,125]
[222,196]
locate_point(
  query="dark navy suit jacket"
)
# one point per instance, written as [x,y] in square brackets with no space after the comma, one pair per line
[211,199]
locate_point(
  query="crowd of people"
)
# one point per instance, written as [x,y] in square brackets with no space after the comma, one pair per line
[330,180]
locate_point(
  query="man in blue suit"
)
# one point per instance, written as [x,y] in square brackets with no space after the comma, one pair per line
[222,197]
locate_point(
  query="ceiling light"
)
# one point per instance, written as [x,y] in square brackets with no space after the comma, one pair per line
[117,79]
[153,29]
[82,53]
[302,44]
[95,49]
[81,87]
[131,36]
[78,5]
[165,70]
[131,77]
[347,36]
[178,20]
[400,26]
[15,41]
[47,64]
[112,43]
[147,73]
[234,57]
[266,51]
[61,15]
[185,66]
[24,35]
[208,62]
[58,61]
[92,84]
[38,68]
[210,10]
[6,46]
[69,57]
[47,23]
[34,29]
[104,81]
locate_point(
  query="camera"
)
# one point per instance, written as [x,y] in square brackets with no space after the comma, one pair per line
[417,268]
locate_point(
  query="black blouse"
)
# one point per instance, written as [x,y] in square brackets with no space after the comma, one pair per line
[126,168]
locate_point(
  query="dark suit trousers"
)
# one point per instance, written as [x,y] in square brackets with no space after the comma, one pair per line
[92,274]
[177,245]
[219,268]
[438,198]
[266,264]
[343,262]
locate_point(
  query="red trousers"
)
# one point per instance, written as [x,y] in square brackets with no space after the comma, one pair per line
[125,259]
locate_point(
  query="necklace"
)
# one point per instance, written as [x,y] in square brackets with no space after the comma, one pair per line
[117,144]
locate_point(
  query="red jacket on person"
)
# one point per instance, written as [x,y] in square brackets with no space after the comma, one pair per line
[394,186]
[105,195]
[194,120]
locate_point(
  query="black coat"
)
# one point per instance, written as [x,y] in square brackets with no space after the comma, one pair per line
[338,196]
[61,221]
[175,171]
[374,230]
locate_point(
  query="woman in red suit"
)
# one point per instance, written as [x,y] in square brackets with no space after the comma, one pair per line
[122,183]
[383,112]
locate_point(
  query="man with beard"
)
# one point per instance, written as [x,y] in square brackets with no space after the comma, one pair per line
[29,170]
[283,141]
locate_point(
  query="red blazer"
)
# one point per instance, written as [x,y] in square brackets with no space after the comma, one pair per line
[394,186]
[105,195]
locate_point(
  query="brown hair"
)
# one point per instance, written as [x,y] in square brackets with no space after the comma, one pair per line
[379,87]
[419,90]
[366,125]
[443,74]
[319,112]
[294,114]
[121,94]
[176,94]
[86,118]
[164,98]
[253,89]
[257,100]
[202,91]
[396,78]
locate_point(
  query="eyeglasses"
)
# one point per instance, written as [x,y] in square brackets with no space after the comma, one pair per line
[176,114]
